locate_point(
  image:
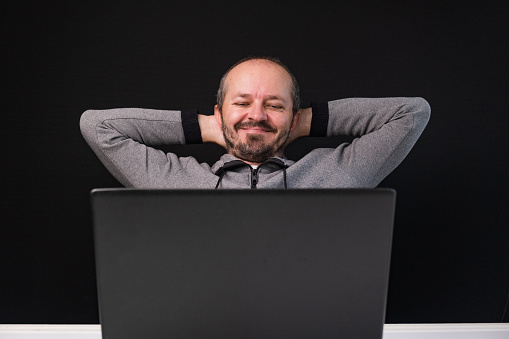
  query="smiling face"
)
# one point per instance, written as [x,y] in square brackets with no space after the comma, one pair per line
[256,115]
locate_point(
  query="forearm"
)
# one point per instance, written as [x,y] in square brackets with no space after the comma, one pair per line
[360,116]
[102,128]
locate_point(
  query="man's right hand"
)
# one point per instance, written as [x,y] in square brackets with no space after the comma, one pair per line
[303,126]
[210,130]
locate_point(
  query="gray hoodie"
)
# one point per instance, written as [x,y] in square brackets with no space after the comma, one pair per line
[385,130]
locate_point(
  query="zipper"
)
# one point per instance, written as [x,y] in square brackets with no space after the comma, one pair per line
[254,177]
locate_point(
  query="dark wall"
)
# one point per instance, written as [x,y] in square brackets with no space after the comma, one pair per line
[450,254]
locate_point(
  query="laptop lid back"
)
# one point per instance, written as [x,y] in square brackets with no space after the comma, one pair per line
[242,263]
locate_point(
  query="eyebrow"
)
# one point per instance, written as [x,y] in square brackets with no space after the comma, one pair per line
[244,96]
[270,97]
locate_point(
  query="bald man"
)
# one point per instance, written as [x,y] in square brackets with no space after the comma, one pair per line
[257,114]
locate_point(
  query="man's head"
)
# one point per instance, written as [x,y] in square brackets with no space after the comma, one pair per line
[257,105]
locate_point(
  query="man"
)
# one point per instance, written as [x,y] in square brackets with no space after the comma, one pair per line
[256,116]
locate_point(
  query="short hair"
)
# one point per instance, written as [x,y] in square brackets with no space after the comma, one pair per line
[295,93]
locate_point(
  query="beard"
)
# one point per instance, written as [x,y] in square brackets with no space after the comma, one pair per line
[254,149]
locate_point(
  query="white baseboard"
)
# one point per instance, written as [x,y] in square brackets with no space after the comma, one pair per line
[391,331]
[446,331]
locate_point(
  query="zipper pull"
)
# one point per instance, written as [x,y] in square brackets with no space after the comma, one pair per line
[254,177]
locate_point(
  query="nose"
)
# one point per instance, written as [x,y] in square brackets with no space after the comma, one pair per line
[257,112]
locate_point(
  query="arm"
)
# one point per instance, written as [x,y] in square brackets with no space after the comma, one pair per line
[395,117]
[385,130]
[122,139]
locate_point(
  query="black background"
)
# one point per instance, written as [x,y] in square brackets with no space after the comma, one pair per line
[450,256]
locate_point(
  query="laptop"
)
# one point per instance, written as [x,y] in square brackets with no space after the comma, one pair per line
[242,263]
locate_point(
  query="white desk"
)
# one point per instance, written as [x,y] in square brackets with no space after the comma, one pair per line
[391,331]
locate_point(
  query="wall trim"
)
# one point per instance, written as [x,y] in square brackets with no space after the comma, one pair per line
[391,331]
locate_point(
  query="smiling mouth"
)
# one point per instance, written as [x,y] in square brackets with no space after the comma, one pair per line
[255,127]
[255,130]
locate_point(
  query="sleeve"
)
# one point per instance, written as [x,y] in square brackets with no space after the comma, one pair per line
[385,130]
[123,140]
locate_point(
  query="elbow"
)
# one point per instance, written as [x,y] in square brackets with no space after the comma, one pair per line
[88,123]
[84,119]
[420,111]
[423,109]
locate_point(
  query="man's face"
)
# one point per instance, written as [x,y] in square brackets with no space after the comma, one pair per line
[257,116]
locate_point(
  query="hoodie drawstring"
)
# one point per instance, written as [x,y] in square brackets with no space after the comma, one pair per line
[227,166]
[284,176]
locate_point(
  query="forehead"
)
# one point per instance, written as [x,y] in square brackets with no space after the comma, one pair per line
[259,77]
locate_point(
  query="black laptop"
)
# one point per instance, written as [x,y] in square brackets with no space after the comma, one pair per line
[242,263]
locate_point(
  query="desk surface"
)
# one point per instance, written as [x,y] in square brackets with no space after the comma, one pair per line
[391,331]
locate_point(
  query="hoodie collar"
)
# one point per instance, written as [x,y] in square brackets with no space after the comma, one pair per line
[228,157]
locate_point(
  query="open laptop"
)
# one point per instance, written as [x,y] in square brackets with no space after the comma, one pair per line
[242,263]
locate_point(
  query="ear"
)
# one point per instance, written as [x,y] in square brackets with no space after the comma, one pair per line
[217,115]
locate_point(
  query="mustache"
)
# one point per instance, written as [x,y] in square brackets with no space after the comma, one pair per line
[256,124]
